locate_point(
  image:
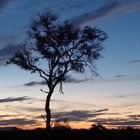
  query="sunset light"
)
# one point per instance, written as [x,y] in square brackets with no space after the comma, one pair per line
[110,97]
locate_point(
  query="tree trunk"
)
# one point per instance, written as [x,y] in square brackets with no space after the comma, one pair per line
[48,112]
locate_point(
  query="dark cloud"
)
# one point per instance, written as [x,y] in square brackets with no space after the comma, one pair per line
[31,109]
[105,11]
[70,79]
[7,52]
[133,61]
[18,99]
[135,116]
[102,110]
[128,120]
[77,115]
[8,39]
[33,83]
[67,79]
[116,121]
[118,76]
[8,128]
[18,121]
[5,116]
[4,3]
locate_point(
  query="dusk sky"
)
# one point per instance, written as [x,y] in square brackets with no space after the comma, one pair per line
[112,99]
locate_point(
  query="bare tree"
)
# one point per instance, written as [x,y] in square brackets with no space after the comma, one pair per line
[56,49]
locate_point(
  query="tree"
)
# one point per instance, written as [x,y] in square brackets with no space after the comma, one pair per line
[53,50]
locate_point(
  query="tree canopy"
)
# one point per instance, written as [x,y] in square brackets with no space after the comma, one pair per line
[61,47]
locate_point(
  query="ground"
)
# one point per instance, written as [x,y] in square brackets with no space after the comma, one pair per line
[72,134]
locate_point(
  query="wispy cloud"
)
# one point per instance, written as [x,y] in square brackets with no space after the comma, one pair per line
[79,115]
[102,110]
[18,121]
[31,109]
[4,3]
[76,115]
[134,61]
[33,83]
[105,11]
[67,79]
[67,105]
[118,76]
[116,121]
[126,105]
[7,116]
[135,116]
[128,95]
[11,99]
[7,51]
[70,79]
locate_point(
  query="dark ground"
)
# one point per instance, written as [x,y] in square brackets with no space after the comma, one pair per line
[72,134]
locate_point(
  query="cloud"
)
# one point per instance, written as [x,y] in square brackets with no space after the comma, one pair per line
[18,99]
[71,102]
[116,121]
[105,11]
[5,116]
[33,83]
[133,61]
[67,105]
[102,110]
[31,109]
[18,121]
[118,76]
[126,105]
[67,79]
[135,116]
[78,115]
[7,51]
[70,79]
[4,3]
[128,95]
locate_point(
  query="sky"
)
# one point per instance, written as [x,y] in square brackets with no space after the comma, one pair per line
[111,99]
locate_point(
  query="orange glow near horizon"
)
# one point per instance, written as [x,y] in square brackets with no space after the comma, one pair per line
[75,125]
[81,125]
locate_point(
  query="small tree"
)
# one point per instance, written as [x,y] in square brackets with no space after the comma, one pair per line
[56,49]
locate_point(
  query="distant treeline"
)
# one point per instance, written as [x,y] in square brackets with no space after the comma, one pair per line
[72,134]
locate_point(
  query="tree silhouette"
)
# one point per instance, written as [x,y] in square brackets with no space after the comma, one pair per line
[53,50]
